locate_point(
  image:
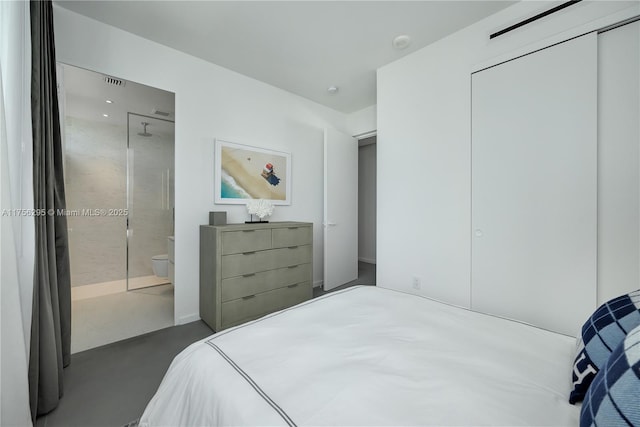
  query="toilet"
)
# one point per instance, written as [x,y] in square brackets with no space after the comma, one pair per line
[160,265]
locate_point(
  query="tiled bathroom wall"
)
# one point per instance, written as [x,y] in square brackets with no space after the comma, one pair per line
[96,178]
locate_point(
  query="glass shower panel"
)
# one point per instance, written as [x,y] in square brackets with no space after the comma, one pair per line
[150,199]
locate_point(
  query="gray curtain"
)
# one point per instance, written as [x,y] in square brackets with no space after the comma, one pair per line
[51,319]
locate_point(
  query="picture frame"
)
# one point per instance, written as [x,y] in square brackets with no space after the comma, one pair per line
[244,172]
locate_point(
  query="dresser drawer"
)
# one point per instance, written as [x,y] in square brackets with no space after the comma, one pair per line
[248,308]
[235,242]
[253,262]
[294,255]
[291,236]
[241,286]
[245,263]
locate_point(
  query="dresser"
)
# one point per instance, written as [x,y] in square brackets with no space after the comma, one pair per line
[249,270]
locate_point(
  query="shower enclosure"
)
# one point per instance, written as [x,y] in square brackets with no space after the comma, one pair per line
[119,171]
[150,198]
[120,195]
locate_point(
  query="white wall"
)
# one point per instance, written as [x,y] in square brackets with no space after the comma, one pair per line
[618,161]
[424,137]
[211,102]
[17,232]
[362,122]
[367,202]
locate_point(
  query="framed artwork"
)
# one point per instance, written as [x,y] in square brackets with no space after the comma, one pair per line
[243,173]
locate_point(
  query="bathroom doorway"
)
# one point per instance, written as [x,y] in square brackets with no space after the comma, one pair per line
[118,138]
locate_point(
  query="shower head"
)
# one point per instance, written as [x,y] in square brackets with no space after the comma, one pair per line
[144,132]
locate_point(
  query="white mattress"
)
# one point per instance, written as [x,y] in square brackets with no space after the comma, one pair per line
[369,356]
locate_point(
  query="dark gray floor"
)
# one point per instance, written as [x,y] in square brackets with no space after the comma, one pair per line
[111,385]
[366,276]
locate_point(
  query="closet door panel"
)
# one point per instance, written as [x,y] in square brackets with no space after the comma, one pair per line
[618,161]
[534,174]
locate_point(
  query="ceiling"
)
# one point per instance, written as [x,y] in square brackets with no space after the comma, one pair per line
[299,46]
[86,94]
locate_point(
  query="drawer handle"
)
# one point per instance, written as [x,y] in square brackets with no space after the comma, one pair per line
[293,286]
[249,275]
[293,247]
[248,231]
[248,253]
[292,228]
[248,297]
[293,266]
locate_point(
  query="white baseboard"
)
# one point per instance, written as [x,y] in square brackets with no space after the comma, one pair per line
[367,260]
[182,320]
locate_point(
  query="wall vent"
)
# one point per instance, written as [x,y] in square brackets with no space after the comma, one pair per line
[113,81]
[534,18]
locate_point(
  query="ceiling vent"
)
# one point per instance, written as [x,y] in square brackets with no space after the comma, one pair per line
[160,113]
[113,81]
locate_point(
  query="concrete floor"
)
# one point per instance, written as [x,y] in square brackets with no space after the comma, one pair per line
[366,276]
[111,385]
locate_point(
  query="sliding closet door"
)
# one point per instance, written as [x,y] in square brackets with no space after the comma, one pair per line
[618,161]
[534,181]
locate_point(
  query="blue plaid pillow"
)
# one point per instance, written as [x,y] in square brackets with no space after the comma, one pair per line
[614,396]
[601,334]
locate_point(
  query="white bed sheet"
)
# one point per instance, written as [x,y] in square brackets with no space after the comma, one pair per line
[369,356]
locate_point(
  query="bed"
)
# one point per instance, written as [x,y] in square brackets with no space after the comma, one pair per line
[369,356]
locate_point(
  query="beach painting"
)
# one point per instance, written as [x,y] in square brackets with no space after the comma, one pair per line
[243,173]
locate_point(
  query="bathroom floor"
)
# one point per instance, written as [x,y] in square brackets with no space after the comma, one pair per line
[110,318]
[146,281]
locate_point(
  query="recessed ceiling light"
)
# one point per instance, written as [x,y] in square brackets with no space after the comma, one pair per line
[105,115]
[402,42]
[332,90]
[108,101]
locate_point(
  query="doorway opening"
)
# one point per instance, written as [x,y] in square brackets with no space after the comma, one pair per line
[118,142]
[367,172]
[350,212]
